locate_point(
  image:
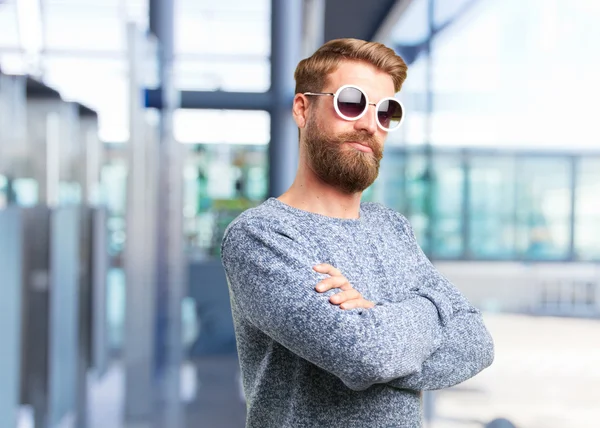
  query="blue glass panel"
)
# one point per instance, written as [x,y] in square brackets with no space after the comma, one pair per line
[491,207]
[587,208]
[543,207]
[448,195]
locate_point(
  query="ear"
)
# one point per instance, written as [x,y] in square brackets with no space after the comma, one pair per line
[300,110]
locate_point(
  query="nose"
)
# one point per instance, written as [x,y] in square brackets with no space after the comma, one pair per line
[368,121]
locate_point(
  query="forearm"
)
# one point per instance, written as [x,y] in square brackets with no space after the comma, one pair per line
[362,348]
[467,349]
[272,282]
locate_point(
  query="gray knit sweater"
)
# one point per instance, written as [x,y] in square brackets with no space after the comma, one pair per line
[307,363]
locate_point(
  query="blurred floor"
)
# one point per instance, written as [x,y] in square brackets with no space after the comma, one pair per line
[546,375]
[210,386]
[218,402]
[105,398]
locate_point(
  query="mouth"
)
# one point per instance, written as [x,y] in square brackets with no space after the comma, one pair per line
[360,146]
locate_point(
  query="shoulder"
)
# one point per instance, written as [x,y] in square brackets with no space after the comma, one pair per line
[257,217]
[262,221]
[376,210]
[380,215]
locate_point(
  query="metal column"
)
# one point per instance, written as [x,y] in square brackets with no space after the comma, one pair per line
[313,26]
[171,263]
[11,267]
[286,42]
[140,295]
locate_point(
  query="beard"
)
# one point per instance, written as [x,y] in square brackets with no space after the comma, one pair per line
[350,171]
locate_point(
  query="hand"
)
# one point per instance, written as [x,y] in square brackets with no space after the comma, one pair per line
[348,298]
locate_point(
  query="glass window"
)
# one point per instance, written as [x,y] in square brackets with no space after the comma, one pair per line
[416,202]
[543,207]
[222,126]
[443,211]
[447,203]
[97,26]
[446,10]
[12,63]
[389,188]
[587,208]
[413,96]
[492,87]
[491,207]
[26,191]
[223,73]
[3,192]
[413,26]
[114,196]
[226,171]
[223,45]
[233,27]
[84,56]
[71,76]
[221,181]
[9,36]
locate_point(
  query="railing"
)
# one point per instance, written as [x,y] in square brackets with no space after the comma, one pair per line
[568,297]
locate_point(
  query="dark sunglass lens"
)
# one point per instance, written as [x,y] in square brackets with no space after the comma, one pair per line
[389,114]
[351,102]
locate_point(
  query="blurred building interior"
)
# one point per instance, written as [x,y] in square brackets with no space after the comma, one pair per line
[133,131]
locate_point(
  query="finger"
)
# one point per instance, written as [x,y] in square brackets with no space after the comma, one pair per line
[333,282]
[327,269]
[357,303]
[344,296]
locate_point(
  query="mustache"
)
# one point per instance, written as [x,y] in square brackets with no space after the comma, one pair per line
[363,138]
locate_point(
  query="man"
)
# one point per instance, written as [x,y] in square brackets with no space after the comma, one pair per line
[340,319]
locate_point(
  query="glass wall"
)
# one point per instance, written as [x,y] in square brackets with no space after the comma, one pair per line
[225,171]
[416,192]
[447,199]
[543,207]
[587,209]
[221,181]
[210,51]
[496,205]
[3,191]
[531,87]
[491,209]
[113,178]
[514,100]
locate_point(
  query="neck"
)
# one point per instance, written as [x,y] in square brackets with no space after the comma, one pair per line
[309,193]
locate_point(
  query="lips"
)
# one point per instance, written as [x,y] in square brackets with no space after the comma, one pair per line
[360,146]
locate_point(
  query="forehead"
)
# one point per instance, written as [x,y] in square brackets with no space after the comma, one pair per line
[376,83]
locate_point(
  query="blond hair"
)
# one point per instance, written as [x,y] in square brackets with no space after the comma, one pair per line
[311,73]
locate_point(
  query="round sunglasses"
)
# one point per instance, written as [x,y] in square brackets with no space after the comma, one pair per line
[351,103]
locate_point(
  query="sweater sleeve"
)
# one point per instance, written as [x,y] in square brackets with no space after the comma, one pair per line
[467,347]
[272,283]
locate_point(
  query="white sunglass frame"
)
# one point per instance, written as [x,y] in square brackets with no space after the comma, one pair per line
[352,119]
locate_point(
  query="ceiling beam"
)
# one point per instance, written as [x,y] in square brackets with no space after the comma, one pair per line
[411,52]
[384,32]
[356,18]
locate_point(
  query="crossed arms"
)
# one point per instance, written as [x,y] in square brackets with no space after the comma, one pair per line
[428,339]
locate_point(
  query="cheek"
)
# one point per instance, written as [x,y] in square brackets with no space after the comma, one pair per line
[342,126]
[329,127]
